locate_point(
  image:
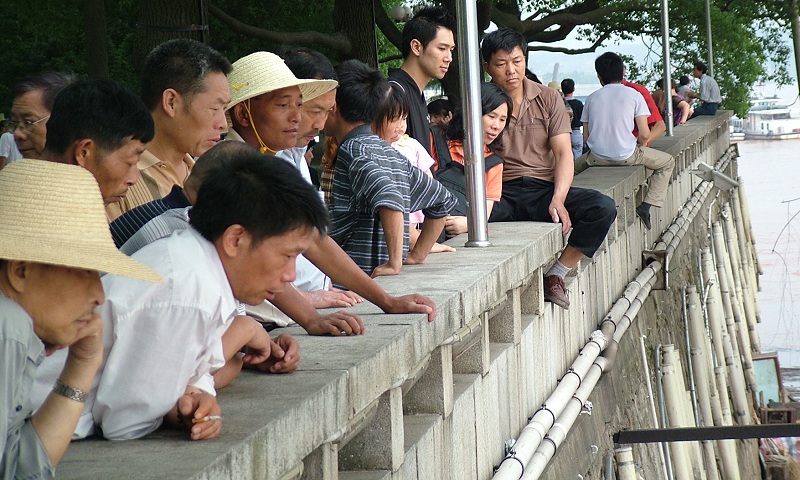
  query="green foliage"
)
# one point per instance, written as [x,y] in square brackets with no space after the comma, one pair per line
[749,36]
[50,36]
[747,39]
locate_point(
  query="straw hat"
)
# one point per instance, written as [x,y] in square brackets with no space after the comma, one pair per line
[263,72]
[53,213]
[554,85]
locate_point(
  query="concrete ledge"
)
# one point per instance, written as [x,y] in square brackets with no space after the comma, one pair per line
[397,383]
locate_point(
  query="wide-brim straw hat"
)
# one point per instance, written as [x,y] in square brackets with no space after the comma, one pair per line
[53,213]
[263,72]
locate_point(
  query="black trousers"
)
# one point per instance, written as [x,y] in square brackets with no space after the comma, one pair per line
[528,199]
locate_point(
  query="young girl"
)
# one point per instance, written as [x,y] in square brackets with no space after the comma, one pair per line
[496,106]
[390,124]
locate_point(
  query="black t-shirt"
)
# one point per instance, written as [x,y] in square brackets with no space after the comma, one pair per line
[418,121]
[577,111]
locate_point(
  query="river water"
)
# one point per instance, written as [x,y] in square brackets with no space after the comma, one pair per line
[769,173]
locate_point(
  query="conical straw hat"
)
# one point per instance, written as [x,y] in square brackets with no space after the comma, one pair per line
[53,213]
[263,72]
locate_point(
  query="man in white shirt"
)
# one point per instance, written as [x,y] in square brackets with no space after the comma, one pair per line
[709,91]
[608,119]
[9,153]
[250,221]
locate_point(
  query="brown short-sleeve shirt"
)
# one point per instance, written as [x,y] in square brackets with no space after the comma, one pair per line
[526,141]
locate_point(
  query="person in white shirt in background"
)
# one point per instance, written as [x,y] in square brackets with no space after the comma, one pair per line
[9,153]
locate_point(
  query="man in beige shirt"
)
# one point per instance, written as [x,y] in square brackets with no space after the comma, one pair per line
[103,127]
[185,87]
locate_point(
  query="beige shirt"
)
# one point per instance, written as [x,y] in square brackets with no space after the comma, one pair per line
[526,141]
[155,181]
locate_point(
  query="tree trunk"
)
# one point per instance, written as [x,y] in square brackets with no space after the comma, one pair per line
[356,20]
[159,21]
[96,38]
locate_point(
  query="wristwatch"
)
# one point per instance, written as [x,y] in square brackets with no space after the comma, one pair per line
[69,392]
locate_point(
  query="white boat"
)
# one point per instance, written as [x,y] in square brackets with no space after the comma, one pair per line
[770,118]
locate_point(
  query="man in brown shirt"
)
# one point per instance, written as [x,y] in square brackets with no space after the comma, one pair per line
[539,165]
[185,87]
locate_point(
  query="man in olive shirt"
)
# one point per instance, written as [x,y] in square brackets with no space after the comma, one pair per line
[539,164]
[53,243]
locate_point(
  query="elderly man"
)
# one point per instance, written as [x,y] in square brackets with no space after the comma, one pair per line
[52,246]
[270,115]
[427,48]
[31,107]
[539,165]
[103,127]
[184,86]
[709,91]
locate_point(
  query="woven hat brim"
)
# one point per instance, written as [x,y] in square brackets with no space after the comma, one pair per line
[108,260]
[310,89]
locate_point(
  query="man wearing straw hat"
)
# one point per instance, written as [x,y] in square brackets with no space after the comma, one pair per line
[184,86]
[265,111]
[53,243]
[103,127]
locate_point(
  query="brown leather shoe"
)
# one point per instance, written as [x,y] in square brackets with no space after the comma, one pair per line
[555,291]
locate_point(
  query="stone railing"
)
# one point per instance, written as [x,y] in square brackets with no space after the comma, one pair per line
[417,400]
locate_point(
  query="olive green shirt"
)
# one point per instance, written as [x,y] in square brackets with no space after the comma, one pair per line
[21,352]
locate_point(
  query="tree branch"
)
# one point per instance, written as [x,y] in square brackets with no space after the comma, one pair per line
[572,51]
[337,41]
[397,56]
[387,26]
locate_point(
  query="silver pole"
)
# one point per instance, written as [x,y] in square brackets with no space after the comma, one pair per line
[469,72]
[708,35]
[667,73]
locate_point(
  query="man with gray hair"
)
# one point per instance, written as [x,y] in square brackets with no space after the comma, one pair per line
[33,101]
[52,247]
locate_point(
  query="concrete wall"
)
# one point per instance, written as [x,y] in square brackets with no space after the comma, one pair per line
[418,400]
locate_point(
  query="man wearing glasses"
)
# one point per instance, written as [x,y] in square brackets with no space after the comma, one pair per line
[30,109]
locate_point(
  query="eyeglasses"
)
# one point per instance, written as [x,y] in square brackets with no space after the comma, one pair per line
[26,126]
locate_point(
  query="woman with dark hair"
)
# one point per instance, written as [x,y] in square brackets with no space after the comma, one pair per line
[496,106]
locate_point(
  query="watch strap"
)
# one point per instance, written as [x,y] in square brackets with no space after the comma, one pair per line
[69,392]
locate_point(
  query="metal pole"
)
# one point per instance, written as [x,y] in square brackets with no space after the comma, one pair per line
[469,73]
[667,73]
[708,36]
[795,19]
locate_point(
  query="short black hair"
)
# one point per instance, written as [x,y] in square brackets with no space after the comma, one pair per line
[492,96]
[362,90]
[181,64]
[660,84]
[609,67]
[532,76]
[264,194]
[103,110]
[424,26]
[308,64]
[50,83]
[685,80]
[441,107]
[701,66]
[503,39]
[212,158]
[394,106]
[567,86]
